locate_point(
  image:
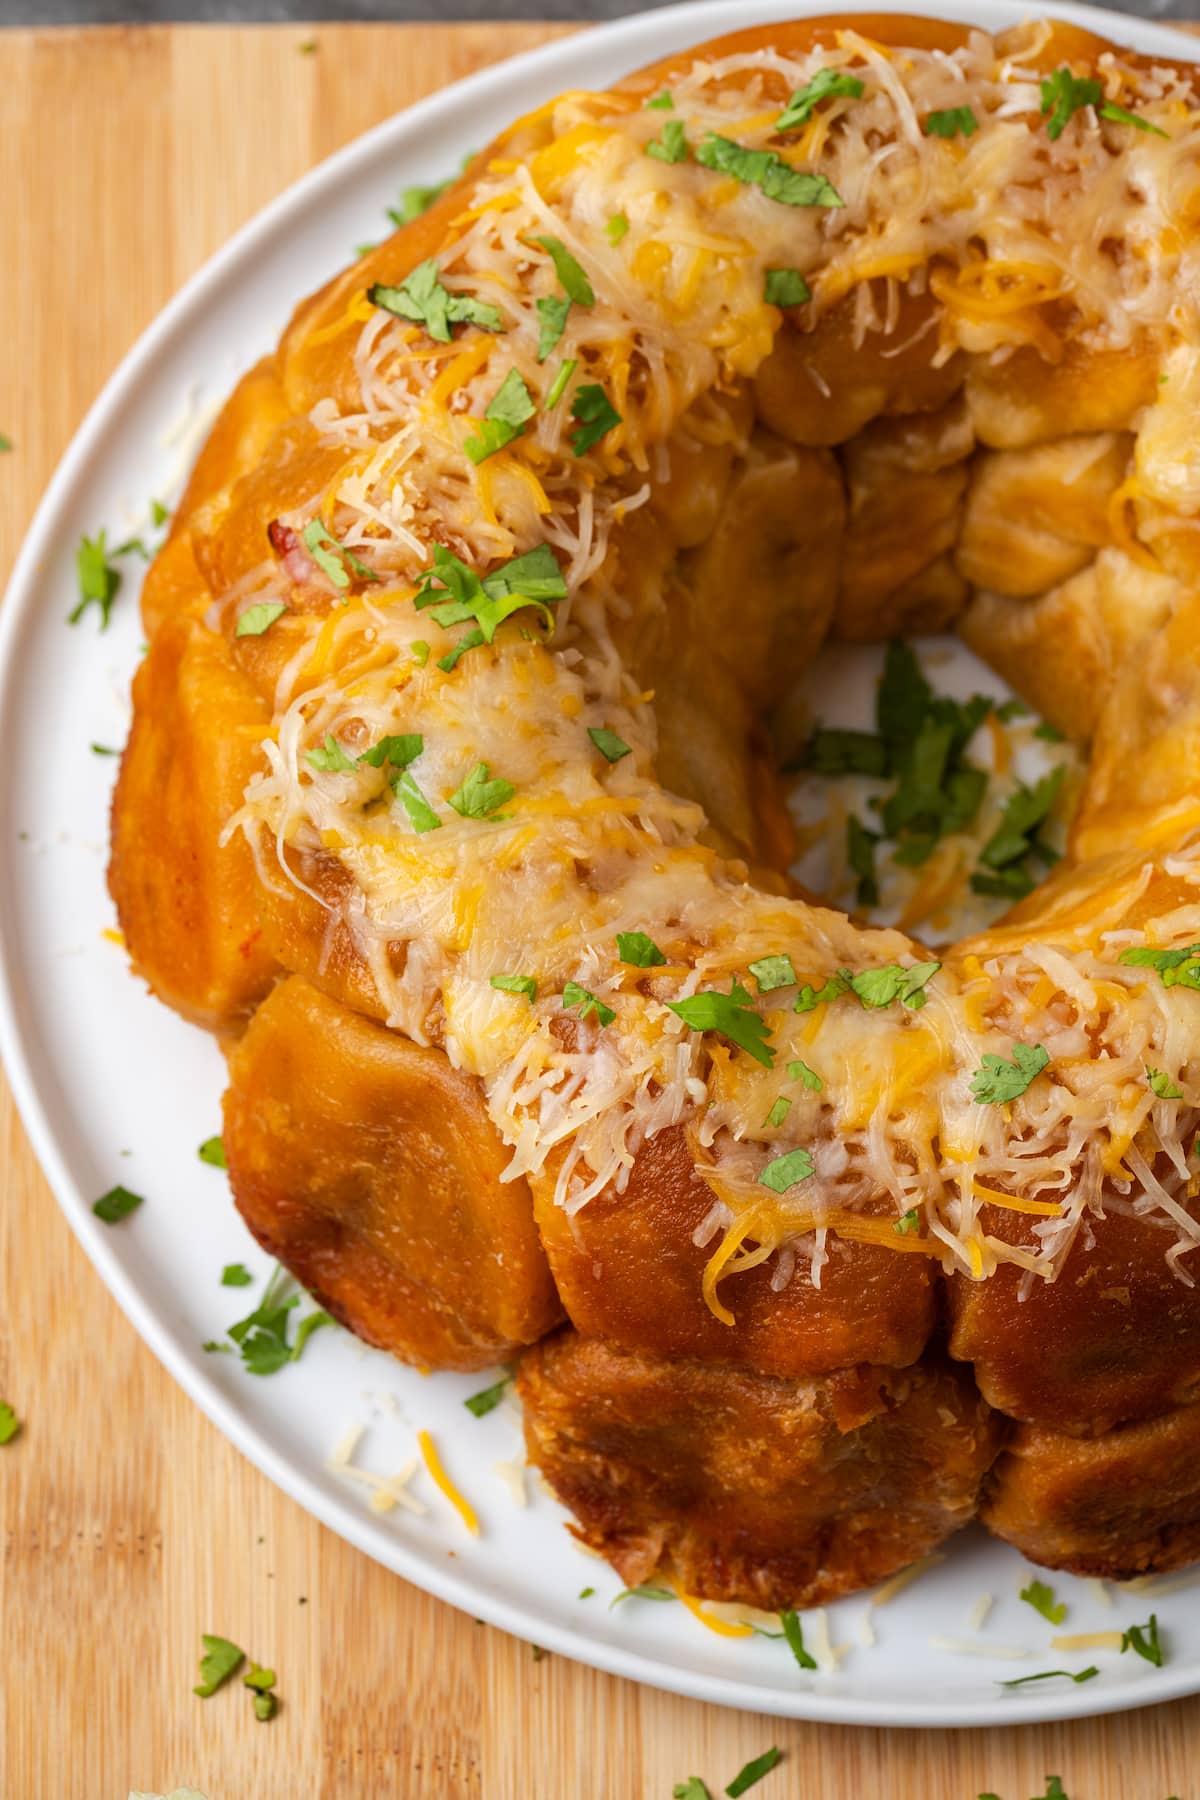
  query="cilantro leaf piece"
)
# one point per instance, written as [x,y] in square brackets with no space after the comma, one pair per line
[641,951]
[331,555]
[1176,968]
[596,416]
[779,1111]
[785,287]
[611,747]
[515,984]
[313,1321]
[824,85]
[489,1398]
[860,854]
[903,697]
[258,1678]
[731,1016]
[416,200]
[691,1789]
[1054,1790]
[508,412]
[103,750]
[470,641]
[836,752]
[672,145]
[1162,1085]
[265,1707]
[753,1772]
[331,758]
[646,1591]
[259,618]
[1025,810]
[420,814]
[98,580]
[616,228]
[479,798]
[1119,116]
[236,1275]
[6,443]
[423,299]
[586,1593]
[879,987]
[212,1152]
[998,1081]
[1051,1675]
[420,652]
[908,1222]
[771,972]
[955,121]
[1012,883]
[116,1205]
[663,102]
[262,1336]
[766,170]
[395,751]
[809,997]
[455,592]
[1040,1595]
[1063,94]
[1144,1639]
[1049,734]
[10,1425]
[575,283]
[785,1171]
[800,1071]
[793,1631]
[552,311]
[220,1660]
[589,1006]
[558,386]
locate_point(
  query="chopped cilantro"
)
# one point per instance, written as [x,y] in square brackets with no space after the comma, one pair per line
[395,752]
[220,1660]
[663,102]
[1144,1639]
[1049,734]
[265,1707]
[616,228]
[636,948]
[860,854]
[879,987]
[488,1399]
[595,415]
[908,1222]
[479,797]
[575,283]
[420,814]
[765,169]
[589,1006]
[533,579]
[1119,116]
[1162,1085]
[552,312]
[1063,94]
[423,299]
[1040,1596]
[955,121]
[771,972]
[212,1152]
[516,984]
[793,1631]
[1176,968]
[832,752]
[586,1593]
[780,1109]
[824,85]
[258,618]
[116,1205]
[236,1275]
[417,200]
[331,758]
[1025,812]
[555,391]
[785,1171]
[753,1771]
[6,443]
[809,997]
[691,1789]
[331,555]
[260,1679]
[104,750]
[98,580]
[1054,1790]
[508,412]
[1010,710]
[998,1081]
[610,746]
[470,640]
[1051,1675]
[262,1336]
[646,1591]
[731,1016]
[672,145]
[10,1425]
[800,1071]
[785,287]
[420,652]
[904,696]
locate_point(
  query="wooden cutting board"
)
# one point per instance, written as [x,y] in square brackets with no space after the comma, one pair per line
[130,1526]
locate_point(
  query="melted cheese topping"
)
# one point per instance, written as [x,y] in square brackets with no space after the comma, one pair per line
[586,849]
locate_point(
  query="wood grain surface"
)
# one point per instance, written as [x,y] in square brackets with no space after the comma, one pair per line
[129,1525]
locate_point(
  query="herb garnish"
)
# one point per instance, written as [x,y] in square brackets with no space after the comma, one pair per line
[636,948]
[595,415]
[880,987]
[555,391]
[691,1789]
[212,1152]
[672,146]
[800,1071]
[479,797]
[786,1170]
[793,1631]
[785,287]
[533,579]
[1162,1085]
[825,85]
[508,412]
[1176,968]
[616,228]
[425,301]
[417,200]
[330,758]
[860,854]
[753,1771]
[647,1591]
[1064,94]
[553,311]
[955,121]
[236,1275]
[589,1006]
[611,747]
[1008,851]
[220,1660]
[998,1081]
[779,1111]
[1051,1675]
[98,579]
[766,169]
[663,102]
[488,1399]
[10,1425]
[421,815]
[909,1221]
[1144,1639]
[331,555]
[262,1336]
[1040,1595]
[259,618]
[731,1016]
[515,984]
[116,1205]
[771,972]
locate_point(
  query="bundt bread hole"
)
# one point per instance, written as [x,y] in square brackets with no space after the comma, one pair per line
[369,1167]
[740,1486]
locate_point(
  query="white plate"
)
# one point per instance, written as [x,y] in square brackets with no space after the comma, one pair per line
[112,1087]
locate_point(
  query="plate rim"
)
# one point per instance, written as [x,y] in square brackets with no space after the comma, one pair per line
[687,23]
